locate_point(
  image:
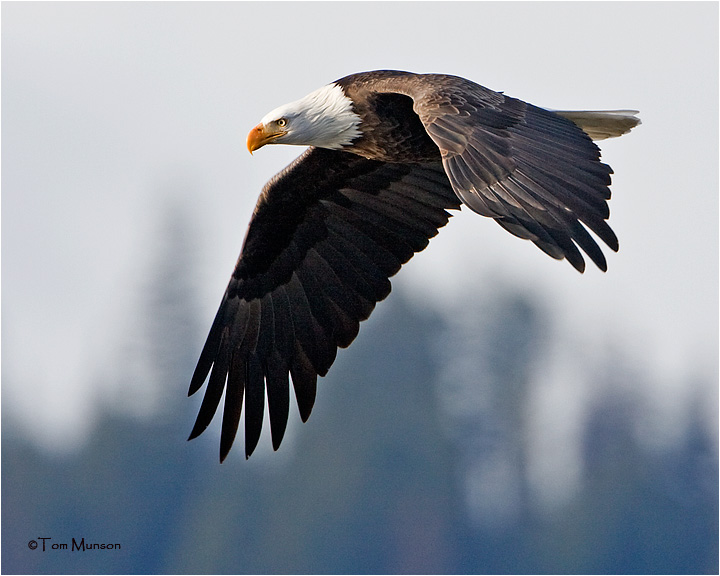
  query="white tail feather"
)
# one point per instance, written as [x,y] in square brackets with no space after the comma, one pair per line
[601,124]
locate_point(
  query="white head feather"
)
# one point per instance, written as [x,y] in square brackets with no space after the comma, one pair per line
[324,118]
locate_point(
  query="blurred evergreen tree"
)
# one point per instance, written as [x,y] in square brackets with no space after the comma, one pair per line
[122,487]
[414,460]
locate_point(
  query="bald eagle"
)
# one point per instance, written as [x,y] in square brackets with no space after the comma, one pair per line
[389,154]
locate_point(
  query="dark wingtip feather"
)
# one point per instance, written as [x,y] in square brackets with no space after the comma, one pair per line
[254,404]
[304,380]
[194,388]
[224,450]
[198,377]
[210,402]
[233,407]
[577,262]
[209,352]
[601,264]
[278,392]
[197,430]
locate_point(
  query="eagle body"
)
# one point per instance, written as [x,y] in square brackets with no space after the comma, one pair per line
[390,153]
[391,130]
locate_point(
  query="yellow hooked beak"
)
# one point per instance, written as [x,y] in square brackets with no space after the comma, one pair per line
[261,135]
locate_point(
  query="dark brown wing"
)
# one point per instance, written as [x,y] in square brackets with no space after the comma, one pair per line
[536,173]
[326,235]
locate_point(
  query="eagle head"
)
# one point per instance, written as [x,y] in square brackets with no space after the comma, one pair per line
[324,118]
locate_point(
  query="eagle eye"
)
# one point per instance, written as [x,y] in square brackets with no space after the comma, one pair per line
[282,122]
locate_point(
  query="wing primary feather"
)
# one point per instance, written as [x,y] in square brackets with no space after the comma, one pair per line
[583,239]
[304,379]
[254,403]
[214,391]
[233,404]
[278,393]
[570,250]
[210,349]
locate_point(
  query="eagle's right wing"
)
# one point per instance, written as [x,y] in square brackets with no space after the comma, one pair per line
[326,235]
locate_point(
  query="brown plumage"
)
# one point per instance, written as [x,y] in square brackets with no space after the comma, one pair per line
[391,153]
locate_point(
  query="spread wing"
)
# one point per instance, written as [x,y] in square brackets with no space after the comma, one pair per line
[326,235]
[535,172]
